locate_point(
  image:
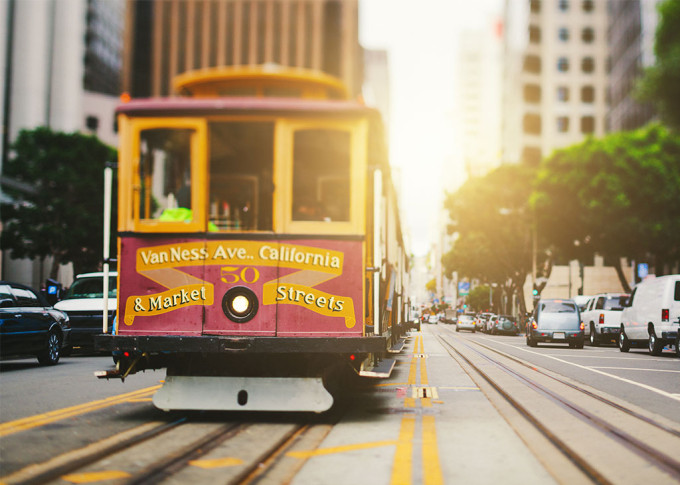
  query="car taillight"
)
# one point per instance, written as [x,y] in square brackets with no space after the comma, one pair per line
[534,325]
[583,327]
[601,319]
[664,315]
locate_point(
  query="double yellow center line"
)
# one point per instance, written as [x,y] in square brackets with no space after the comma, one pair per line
[23,424]
[402,470]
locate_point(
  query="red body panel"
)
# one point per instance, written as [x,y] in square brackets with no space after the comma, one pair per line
[305,287]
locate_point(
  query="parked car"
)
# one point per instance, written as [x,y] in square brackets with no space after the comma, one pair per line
[602,317]
[466,321]
[504,324]
[556,321]
[84,304]
[482,320]
[651,315]
[489,321]
[29,326]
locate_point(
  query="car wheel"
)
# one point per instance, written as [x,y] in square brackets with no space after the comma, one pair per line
[50,355]
[457,329]
[677,345]
[578,344]
[655,345]
[594,340]
[531,342]
[624,343]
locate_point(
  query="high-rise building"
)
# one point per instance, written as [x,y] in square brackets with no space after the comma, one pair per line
[564,75]
[480,75]
[165,38]
[60,61]
[632,26]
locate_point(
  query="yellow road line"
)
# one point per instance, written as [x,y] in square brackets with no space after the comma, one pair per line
[23,424]
[340,449]
[95,476]
[432,472]
[403,457]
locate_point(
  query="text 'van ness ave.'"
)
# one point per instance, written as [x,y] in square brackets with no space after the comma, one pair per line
[248,252]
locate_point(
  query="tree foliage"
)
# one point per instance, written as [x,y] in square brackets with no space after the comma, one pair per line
[479,298]
[617,196]
[661,82]
[493,222]
[63,218]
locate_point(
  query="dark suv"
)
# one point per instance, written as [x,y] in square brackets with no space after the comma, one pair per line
[556,321]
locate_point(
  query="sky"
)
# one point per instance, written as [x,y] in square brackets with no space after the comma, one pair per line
[420,37]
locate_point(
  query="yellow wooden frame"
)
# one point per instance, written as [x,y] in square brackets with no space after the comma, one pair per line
[129,183]
[283,175]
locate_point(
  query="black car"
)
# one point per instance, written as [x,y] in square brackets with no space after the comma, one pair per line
[556,321]
[29,326]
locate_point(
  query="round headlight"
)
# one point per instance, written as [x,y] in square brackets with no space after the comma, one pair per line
[240,304]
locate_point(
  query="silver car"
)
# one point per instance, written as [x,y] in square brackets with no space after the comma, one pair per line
[466,321]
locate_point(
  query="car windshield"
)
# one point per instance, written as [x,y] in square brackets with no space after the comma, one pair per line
[558,306]
[92,287]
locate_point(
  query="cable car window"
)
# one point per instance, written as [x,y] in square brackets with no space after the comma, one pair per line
[165,174]
[321,175]
[241,171]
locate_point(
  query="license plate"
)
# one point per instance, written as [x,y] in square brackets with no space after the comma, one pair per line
[558,336]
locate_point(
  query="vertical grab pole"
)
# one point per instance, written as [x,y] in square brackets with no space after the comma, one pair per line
[377,246]
[108,178]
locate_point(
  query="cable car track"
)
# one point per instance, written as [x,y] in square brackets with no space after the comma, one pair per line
[611,421]
[150,454]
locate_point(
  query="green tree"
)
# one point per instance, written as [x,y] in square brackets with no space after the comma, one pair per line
[63,218]
[617,196]
[493,222]
[479,298]
[661,82]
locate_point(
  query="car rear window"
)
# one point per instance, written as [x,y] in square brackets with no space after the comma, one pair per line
[615,303]
[466,318]
[90,288]
[558,307]
[677,291]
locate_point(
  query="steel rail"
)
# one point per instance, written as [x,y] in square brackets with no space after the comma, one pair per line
[653,456]
[166,466]
[602,399]
[565,449]
[70,466]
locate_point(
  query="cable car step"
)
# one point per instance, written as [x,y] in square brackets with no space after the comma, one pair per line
[243,394]
[382,370]
[398,347]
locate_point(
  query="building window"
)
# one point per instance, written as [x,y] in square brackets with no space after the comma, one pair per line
[563,124]
[532,64]
[587,94]
[532,93]
[587,124]
[587,64]
[532,124]
[588,5]
[564,5]
[535,6]
[588,35]
[563,93]
[563,34]
[563,64]
[534,34]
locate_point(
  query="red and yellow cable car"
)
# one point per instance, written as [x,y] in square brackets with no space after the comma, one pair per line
[260,251]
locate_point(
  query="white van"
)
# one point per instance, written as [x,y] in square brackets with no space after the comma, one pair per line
[652,315]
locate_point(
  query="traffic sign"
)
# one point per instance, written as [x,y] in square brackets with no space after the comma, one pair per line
[463,288]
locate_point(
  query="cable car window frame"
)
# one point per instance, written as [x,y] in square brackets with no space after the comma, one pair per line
[284,176]
[130,158]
